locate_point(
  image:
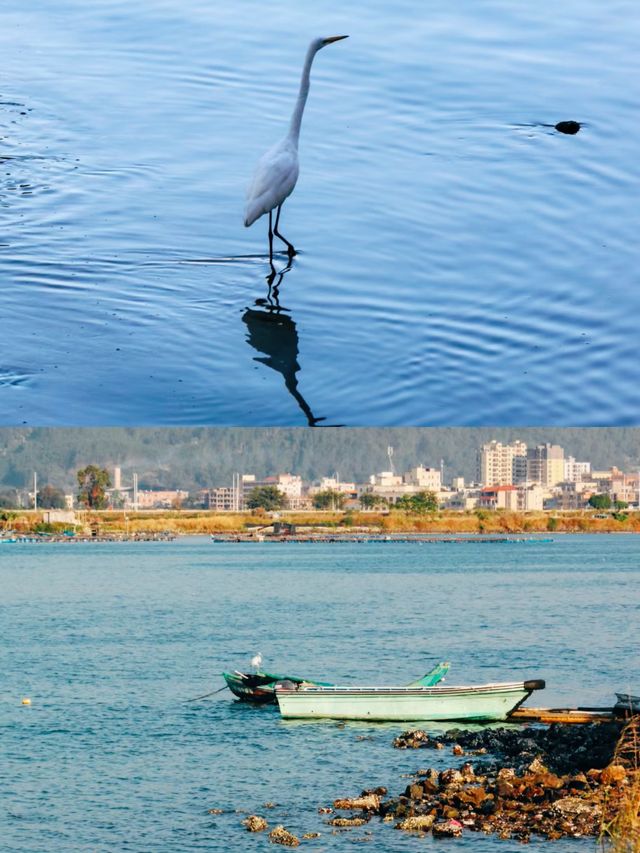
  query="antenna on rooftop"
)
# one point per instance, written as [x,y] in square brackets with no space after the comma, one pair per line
[390,456]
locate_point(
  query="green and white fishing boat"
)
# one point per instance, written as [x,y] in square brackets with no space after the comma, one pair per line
[260,687]
[478,703]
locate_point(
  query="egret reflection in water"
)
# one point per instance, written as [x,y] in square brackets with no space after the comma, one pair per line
[273,332]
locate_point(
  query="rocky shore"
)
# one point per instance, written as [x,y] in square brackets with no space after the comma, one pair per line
[562,748]
[551,782]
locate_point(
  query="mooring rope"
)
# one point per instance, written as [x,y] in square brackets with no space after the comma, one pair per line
[204,695]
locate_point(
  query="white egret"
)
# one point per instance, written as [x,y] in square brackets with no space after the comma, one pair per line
[256,661]
[277,170]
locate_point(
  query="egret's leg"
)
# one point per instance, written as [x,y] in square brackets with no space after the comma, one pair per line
[290,248]
[273,270]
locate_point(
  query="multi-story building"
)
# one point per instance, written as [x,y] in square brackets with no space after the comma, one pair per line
[502,464]
[289,484]
[575,471]
[625,487]
[428,479]
[222,499]
[573,495]
[545,464]
[392,487]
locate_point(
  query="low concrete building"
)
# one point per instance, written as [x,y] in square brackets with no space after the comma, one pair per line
[334,485]
[165,499]
[59,516]
[385,479]
[512,498]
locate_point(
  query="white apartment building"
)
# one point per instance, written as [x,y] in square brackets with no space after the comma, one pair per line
[502,464]
[575,471]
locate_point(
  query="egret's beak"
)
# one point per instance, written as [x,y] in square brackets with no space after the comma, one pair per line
[333,38]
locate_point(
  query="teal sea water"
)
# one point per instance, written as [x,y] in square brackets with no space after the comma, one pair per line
[108,640]
[461,262]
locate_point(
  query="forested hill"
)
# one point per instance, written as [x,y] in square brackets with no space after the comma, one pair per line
[201,457]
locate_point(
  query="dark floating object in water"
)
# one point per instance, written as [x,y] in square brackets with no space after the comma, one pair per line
[570,127]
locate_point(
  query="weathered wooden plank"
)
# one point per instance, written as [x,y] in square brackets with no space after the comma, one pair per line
[561,715]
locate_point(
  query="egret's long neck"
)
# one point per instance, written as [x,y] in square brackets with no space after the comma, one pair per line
[296,118]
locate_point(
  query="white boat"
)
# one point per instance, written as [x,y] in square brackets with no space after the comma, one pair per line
[483,702]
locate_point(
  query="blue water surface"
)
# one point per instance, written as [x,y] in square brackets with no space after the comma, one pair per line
[109,640]
[461,262]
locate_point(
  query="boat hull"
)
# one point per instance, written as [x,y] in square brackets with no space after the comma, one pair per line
[259,687]
[482,703]
[253,687]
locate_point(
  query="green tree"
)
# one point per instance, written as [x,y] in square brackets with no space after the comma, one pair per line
[600,501]
[369,500]
[620,504]
[266,497]
[93,483]
[328,499]
[425,502]
[419,503]
[50,497]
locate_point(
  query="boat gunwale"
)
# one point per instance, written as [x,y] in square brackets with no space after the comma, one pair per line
[452,690]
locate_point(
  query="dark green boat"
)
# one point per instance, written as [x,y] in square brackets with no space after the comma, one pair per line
[259,687]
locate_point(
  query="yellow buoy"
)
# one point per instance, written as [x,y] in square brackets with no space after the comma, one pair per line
[26,701]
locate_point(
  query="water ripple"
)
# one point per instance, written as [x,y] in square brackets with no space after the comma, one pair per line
[461,260]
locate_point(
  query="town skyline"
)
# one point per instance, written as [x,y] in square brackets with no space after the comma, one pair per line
[509,475]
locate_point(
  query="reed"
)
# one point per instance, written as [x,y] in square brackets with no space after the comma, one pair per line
[620,828]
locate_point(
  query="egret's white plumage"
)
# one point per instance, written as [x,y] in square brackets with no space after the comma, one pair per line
[274,179]
[256,661]
[277,170]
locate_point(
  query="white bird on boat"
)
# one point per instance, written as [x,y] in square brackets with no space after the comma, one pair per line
[256,661]
[277,170]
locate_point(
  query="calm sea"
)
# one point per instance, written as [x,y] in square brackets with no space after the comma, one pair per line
[109,641]
[461,262]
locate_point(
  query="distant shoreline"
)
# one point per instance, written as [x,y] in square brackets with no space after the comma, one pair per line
[309,526]
[333,539]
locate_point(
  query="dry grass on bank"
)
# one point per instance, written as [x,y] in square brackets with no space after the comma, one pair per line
[479,521]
